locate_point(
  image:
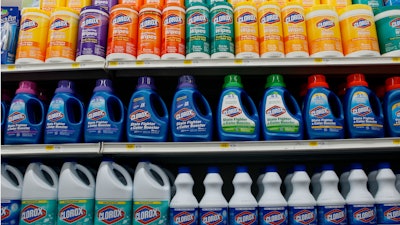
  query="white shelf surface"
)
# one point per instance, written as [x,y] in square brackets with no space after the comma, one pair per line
[44,67]
[50,149]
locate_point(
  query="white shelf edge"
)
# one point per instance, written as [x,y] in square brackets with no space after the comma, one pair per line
[42,67]
[50,149]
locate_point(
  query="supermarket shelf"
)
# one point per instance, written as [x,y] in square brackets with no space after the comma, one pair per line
[50,150]
[40,67]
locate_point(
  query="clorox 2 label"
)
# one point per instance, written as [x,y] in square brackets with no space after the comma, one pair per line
[10,210]
[150,212]
[388,213]
[40,212]
[213,216]
[361,214]
[183,216]
[77,212]
[272,216]
[113,212]
[243,216]
[332,215]
[306,215]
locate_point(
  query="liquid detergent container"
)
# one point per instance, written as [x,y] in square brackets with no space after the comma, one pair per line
[26,116]
[192,115]
[147,117]
[391,107]
[39,195]
[113,196]
[235,122]
[151,195]
[104,120]
[75,195]
[280,114]
[64,120]
[322,111]
[362,109]
[11,190]
[5,106]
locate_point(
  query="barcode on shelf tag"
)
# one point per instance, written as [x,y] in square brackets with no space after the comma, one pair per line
[238,61]
[49,147]
[113,63]
[11,67]
[75,65]
[140,63]
[396,59]
[313,143]
[187,62]
[396,142]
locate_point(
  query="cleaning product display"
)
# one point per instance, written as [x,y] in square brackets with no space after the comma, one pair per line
[11,191]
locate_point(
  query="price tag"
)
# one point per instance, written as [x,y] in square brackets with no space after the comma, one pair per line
[75,65]
[113,63]
[396,59]
[187,62]
[140,63]
[49,147]
[238,61]
[224,145]
[313,143]
[318,60]
[396,142]
[130,147]
[11,67]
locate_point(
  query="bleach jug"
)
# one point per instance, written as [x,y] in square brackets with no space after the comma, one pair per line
[362,109]
[398,181]
[260,184]
[151,196]
[104,120]
[113,196]
[11,190]
[184,206]
[234,121]
[280,114]
[213,206]
[26,116]
[64,120]
[360,202]
[391,107]
[272,206]
[288,183]
[323,111]
[191,118]
[344,182]
[372,184]
[147,117]
[75,195]
[39,195]
[316,186]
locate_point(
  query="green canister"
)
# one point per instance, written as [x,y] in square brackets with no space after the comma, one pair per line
[197,31]
[222,31]
[387,21]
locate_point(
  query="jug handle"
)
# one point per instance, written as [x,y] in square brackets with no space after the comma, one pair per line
[87,173]
[124,173]
[52,174]
[161,173]
[16,173]
[82,109]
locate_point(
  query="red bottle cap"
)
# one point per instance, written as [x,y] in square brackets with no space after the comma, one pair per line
[356,79]
[317,80]
[392,83]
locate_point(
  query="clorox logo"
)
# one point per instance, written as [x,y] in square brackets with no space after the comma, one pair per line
[319,112]
[275,111]
[231,111]
[365,215]
[28,24]
[72,213]
[5,213]
[16,117]
[197,18]
[361,110]
[325,24]
[222,18]
[274,218]
[146,214]
[110,214]
[140,115]
[391,214]
[211,218]
[32,213]
[294,17]
[269,18]
[184,218]
[96,114]
[245,218]
[335,216]
[55,115]
[304,217]
[149,23]
[361,23]
[90,22]
[395,23]
[172,20]
[247,18]
[184,114]
[59,24]
[121,19]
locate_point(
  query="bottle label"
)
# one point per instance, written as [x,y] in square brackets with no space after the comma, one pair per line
[186,119]
[183,216]
[321,116]
[18,122]
[197,31]
[361,214]
[150,212]
[395,119]
[303,215]
[98,122]
[213,216]
[243,216]
[56,121]
[273,215]
[40,212]
[10,211]
[113,212]
[363,117]
[222,35]
[332,215]
[233,119]
[78,212]
[388,213]
[277,118]
[141,120]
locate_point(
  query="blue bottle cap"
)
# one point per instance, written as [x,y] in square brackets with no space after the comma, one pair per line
[186,81]
[355,166]
[70,160]
[326,167]
[107,159]
[183,169]
[384,165]
[271,169]
[242,169]
[65,86]
[145,82]
[299,168]
[103,85]
[213,169]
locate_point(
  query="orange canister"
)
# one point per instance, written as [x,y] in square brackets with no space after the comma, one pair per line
[136,3]
[173,33]
[149,35]
[153,3]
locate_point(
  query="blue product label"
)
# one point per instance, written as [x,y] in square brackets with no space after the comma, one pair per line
[213,216]
[332,215]
[10,17]
[395,111]
[388,213]
[183,216]
[113,212]
[141,120]
[39,212]
[186,118]
[362,114]
[243,216]
[321,116]
[98,122]
[56,120]
[18,122]
[302,215]
[273,215]
[361,214]
[10,211]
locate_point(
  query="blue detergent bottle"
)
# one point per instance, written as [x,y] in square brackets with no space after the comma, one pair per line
[147,117]
[25,119]
[391,107]
[323,111]
[237,117]
[5,106]
[280,114]
[192,115]
[104,120]
[65,116]
[362,109]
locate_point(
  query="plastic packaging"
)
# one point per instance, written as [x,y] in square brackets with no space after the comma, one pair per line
[391,107]
[11,190]
[344,182]
[5,106]
[315,184]
[51,5]
[173,33]
[105,4]
[77,5]
[372,184]
[149,35]
[375,4]
[9,33]
[222,31]
[387,20]
[288,184]
[197,31]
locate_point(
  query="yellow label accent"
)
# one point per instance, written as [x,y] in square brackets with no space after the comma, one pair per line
[396,59]
[130,146]
[75,65]
[224,145]
[313,143]
[11,67]
[113,63]
[396,142]
[72,201]
[140,63]
[318,60]
[147,202]
[187,62]
[34,201]
[238,61]
[49,148]
[111,203]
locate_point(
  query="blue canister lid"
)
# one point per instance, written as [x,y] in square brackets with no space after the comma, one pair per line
[183,169]
[65,86]
[213,169]
[355,166]
[299,168]
[242,169]
[384,165]
[186,81]
[327,167]
[103,85]
[271,169]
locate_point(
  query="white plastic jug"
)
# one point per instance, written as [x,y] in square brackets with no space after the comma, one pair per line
[10,194]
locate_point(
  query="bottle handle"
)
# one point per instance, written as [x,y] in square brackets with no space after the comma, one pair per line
[205,103]
[82,109]
[124,173]
[87,173]
[339,104]
[161,173]
[164,107]
[16,173]
[251,104]
[52,174]
[294,103]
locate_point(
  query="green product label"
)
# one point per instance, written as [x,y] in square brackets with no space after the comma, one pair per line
[150,212]
[277,118]
[197,30]
[222,35]
[388,33]
[39,212]
[75,211]
[233,119]
[113,212]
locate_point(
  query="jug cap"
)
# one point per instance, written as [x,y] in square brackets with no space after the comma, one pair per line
[213,169]
[27,87]
[384,165]
[317,80]
[103,85]
[271,169]
[145,82]
[242,169]
[299,168]
[392,83]
[275,80]
[65,86]
[232,80]
[186,81]
[327,167]
[356,79]
[355,166]
[183,169]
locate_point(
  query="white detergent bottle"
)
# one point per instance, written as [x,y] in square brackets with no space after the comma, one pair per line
[302,205]
[213,206]
[398,181]
[39,195]
[272,206]
[243,205]
[316,187]
[372,184]
[288,184]
[184,205]
[331,204]
[11,190]
[75,195]
[260,184]
[151,195]
[344,182]
[387,198]
[113,195]
[360,202]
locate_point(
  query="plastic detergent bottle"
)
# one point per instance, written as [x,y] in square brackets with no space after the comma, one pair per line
[302,205]
[26,116]
[5,106]
[372,184]
[360,202]
[11,190]
[151,195]
[213,206]
[184,206]
[260,185]
[398,181]
[331,204]
[113,197]
[280,114]
[272,206]
[344,182]
[322,111]
[64,120]
[315,184]
[39,195]
[192,115]
[147,117]
[104,120]
[391,107]
[75,195]
[234,121]
[288,184]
